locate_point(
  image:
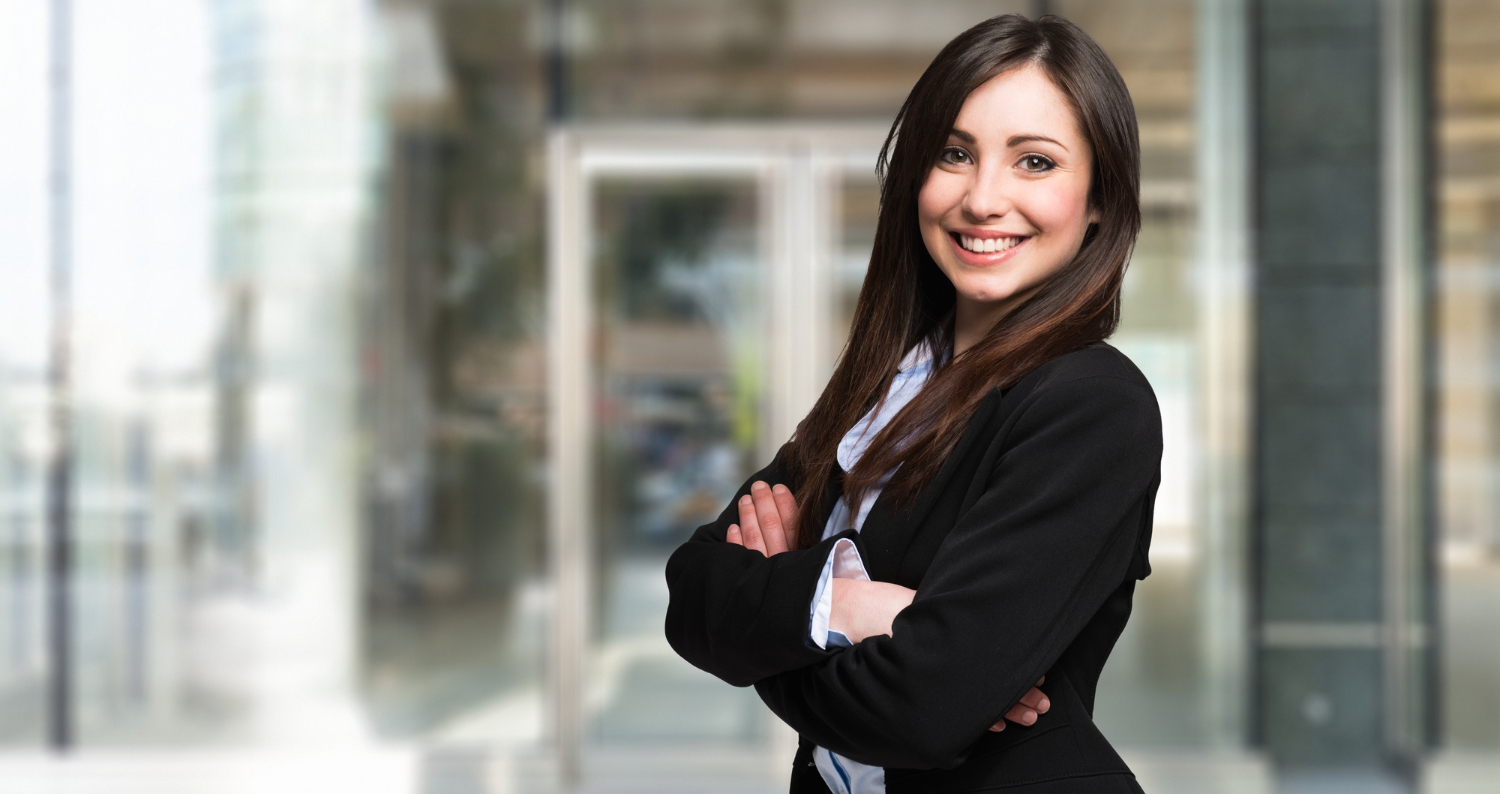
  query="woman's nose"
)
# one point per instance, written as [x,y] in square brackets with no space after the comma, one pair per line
[988,195]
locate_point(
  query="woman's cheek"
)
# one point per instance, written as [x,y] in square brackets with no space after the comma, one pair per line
[940,193]
[1063,211]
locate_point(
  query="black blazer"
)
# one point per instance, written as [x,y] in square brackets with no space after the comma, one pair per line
[1024,551]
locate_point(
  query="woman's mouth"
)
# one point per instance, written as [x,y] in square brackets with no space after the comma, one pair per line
[985,250]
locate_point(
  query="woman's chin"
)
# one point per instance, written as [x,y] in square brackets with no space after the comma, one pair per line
[987,303]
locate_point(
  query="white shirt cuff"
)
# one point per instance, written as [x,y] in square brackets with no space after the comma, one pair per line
[843,562]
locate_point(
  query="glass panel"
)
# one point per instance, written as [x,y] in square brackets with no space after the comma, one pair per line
[1467,304]
[454,393]
[678,412]
[161,568]
[217,227]
[23,366]
[307,402]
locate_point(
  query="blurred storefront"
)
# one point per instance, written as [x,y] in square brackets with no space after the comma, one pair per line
[406,338]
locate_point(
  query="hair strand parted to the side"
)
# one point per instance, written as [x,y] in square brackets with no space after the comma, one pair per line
[906,298]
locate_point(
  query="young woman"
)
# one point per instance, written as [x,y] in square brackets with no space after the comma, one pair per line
[977,479]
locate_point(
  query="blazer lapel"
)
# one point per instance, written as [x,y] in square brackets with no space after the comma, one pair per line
[887,532]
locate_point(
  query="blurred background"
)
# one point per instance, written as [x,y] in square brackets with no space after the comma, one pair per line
[361,362]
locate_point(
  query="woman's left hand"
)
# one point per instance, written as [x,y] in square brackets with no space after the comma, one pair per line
[1033,704]
[768,520]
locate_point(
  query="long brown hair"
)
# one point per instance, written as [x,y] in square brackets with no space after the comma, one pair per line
[906,299]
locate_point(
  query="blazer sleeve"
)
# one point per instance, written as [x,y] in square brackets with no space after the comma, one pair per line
[735,613]
[1013,583]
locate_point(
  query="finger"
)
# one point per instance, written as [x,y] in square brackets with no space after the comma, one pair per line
[1036,700]
[749,526]
[771,530]
[734,536]
[998,727]
[786,505]
[1021,715]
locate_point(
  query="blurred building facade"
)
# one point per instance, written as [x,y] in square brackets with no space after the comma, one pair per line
[407,338]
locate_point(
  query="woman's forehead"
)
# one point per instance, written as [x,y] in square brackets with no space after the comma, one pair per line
[1018,105]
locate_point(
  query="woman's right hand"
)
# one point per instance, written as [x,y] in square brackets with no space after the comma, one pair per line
[768,520]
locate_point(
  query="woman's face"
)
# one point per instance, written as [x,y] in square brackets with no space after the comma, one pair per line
[1006,205]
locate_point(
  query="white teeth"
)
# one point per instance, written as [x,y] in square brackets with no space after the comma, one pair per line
[989,245]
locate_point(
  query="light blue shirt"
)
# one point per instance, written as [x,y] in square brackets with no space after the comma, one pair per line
[843,775]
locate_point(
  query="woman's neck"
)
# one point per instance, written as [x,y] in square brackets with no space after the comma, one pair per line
[973,320]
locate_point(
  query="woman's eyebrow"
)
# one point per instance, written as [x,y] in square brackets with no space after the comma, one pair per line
[1014,140]
[1018,139]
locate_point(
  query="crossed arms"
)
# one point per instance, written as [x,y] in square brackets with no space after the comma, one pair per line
[1022,571]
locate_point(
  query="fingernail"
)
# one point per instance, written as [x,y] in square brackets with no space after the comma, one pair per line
[757,486]
[1044,705]
[780,489]
[1028,718]
[744,500]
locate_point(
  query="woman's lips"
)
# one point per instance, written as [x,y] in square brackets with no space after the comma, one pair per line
[978,259]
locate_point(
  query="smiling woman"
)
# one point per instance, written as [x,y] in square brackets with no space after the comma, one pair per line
[951,540]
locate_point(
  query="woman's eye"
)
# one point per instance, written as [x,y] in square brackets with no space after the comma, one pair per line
[1037,163]
[956,156]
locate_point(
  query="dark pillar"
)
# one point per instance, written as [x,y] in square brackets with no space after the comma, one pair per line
[1320,560]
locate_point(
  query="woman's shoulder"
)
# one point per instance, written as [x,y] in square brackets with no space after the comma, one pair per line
[1100,361]
[1096,379]
[1088,397]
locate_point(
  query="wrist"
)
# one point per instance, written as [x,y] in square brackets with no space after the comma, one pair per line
[838,591]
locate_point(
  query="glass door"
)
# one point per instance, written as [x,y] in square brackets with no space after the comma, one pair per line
[678,364]
[693,318]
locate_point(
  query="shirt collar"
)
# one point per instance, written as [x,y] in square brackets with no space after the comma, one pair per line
[921,354]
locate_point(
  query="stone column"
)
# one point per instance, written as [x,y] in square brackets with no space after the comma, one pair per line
[1328,367]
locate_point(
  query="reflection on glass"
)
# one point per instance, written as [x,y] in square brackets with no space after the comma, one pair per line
[1467,401]
[678,413]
